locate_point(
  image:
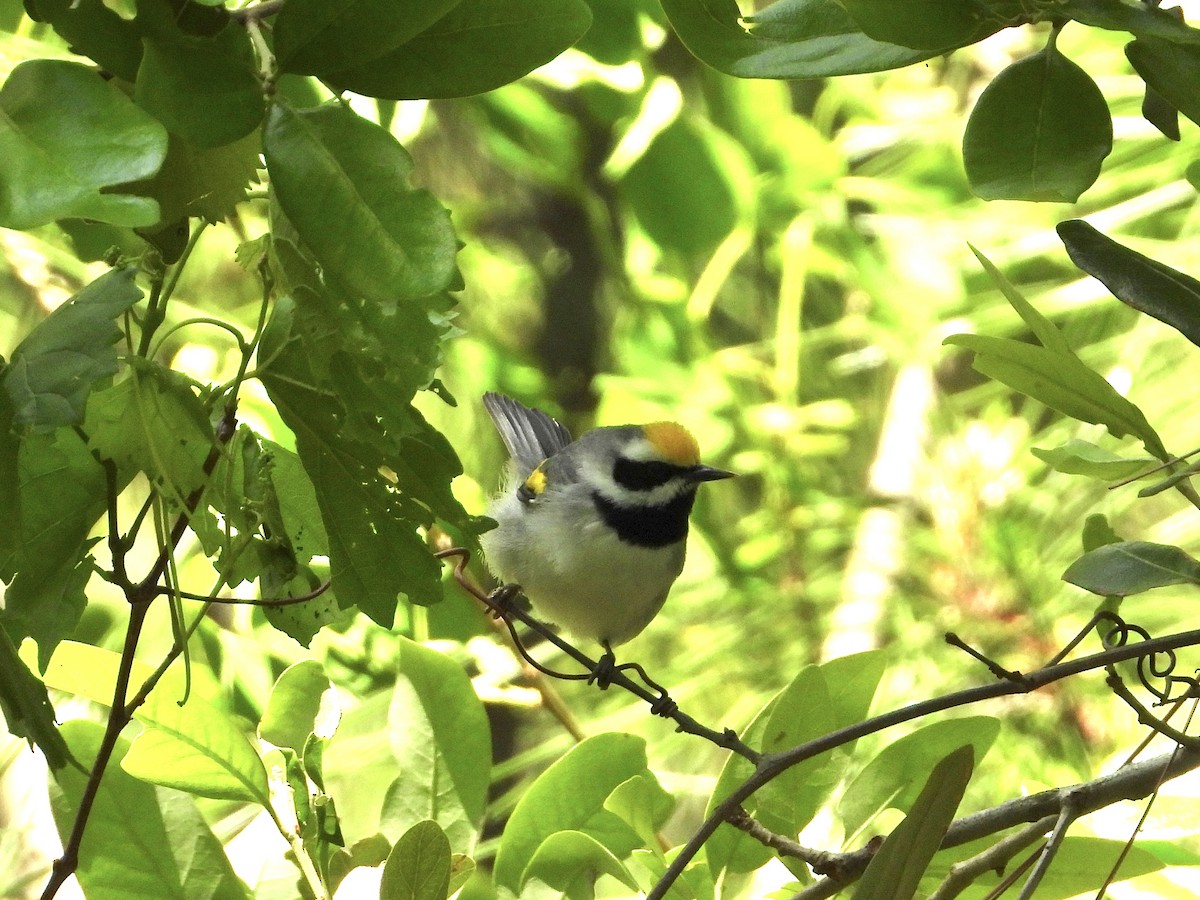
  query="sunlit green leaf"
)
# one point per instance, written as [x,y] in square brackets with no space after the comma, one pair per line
[1132,567]
[141,840]
[69,141]
[1039,131]
[95,30]
[294,708]
[894,777]
[418,868]
[896,869]
[1078,457]
[570,861]
[569,796]
[439,736]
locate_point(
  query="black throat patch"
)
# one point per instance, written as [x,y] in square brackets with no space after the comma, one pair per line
[648,526]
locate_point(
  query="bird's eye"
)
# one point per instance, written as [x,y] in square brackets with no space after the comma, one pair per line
[643,475]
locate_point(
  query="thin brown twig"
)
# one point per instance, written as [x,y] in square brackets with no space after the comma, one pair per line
[139,596]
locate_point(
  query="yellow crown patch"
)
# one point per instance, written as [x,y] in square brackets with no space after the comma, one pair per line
[674,442]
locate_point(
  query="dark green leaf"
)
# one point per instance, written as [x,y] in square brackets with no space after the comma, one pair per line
[205,90]
[69,141]
[26,706]
[205,183]
[478,46]
[1158,111]
[1097,532]
[933,25]
[1136,280]
[616,33]
[1131,567]
[141,841]
[54,367]
[93,29]
[418,868]
[342,182]
[788,39]
[440,738]
[1043,329]
[1061,382]
[569,796]
[894,777]
[1140,19]
[1039,131]
[1171,70]
[322,36]
[152,423]
[1077,457]
[895,871]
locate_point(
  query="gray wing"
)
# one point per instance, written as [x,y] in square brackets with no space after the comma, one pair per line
[529,434]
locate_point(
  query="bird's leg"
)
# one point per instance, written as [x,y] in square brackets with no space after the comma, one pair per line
[503,600]
[607,664]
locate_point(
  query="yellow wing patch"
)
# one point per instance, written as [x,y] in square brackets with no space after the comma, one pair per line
[534,485]
[674,442]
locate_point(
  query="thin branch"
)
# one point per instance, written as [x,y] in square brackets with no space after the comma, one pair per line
[774,764]
[139,596]
[1067,816]
[257,11]
[249,601]
[727,739]
[1117,684]
[994,859]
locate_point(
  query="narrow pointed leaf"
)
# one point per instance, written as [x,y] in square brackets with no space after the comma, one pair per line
[1136,280]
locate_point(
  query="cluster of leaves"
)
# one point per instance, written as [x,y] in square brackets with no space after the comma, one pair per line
[158,131]
[1039,131]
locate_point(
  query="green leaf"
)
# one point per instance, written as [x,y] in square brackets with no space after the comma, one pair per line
[1136,280]
[151,422]
[93,29]
[1043,329]
[440,739]
[788,39]
[54,368]
[1131,567]
[61,493]
[204,89]
[141,841]
[934,25]
[1039,131]
[302,703]
[1061,382]
[895,871]
[818,700]
[682,190]
[1077,457]
[341,181]
[1171,70]
[569,796]
[70,141]
[644,806]
[418,868]
[206,183]
[1081,867]
[1097,532]
[894,777]
[1140,19]
[478,46]
[321,36]
[195,748]
[570,862]
[26,706]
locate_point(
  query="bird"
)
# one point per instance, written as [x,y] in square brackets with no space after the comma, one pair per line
[592,530]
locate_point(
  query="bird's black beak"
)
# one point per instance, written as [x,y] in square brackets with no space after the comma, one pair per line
[708,473]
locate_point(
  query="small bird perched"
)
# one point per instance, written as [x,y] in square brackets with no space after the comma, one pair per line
[593,530]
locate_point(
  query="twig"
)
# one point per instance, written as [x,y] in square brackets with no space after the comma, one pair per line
[993,859]
[727,739]
[774,764]
[1117,684]
[821,861]
[139,596]
[1066,818]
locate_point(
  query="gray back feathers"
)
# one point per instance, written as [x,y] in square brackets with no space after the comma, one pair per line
[529,434]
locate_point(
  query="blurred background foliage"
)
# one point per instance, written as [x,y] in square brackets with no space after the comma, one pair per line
[774,264]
